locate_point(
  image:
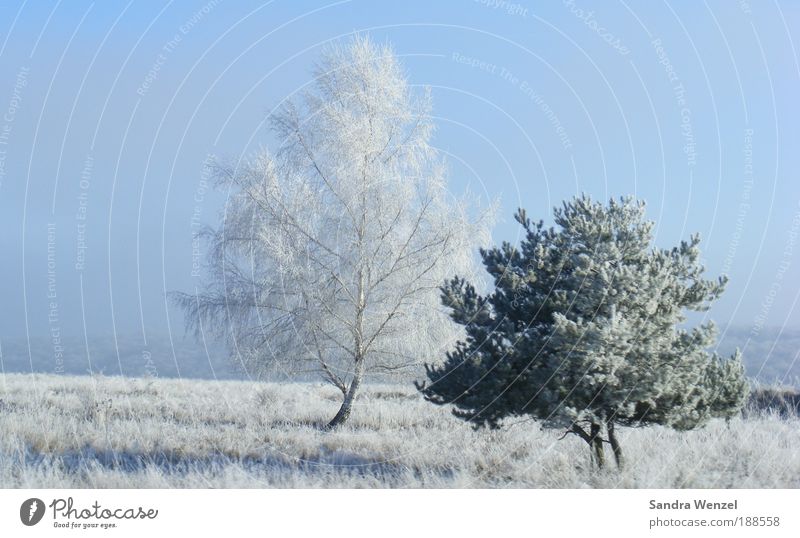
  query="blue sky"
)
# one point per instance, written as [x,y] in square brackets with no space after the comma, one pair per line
[111,108]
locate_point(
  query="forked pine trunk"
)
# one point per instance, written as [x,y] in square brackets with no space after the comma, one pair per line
[612,438]
[597,446]
[594,440]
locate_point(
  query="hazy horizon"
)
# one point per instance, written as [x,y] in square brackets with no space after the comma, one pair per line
[770,357]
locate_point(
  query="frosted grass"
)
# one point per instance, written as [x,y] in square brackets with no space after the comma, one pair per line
[114,432]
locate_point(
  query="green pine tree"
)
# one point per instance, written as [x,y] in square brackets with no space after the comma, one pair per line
[582,331]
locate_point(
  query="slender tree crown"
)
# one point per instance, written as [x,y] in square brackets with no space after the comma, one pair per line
[333,247]
[583,330]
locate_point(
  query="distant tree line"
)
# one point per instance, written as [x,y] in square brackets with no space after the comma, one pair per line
[781,401]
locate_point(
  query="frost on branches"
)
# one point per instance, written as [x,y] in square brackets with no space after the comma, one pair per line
[333,247]
[582,331]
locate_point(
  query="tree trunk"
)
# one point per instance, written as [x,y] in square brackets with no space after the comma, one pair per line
[612,438]
[597,446]
[347,405]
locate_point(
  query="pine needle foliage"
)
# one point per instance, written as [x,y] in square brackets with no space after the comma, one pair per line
[584,331]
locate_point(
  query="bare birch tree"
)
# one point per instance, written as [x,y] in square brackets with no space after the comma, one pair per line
[332,249]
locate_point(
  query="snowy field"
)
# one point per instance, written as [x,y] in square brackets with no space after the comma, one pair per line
[113,432]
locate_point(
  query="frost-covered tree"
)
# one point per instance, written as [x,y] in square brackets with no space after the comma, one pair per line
[582,331]
[333,247]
